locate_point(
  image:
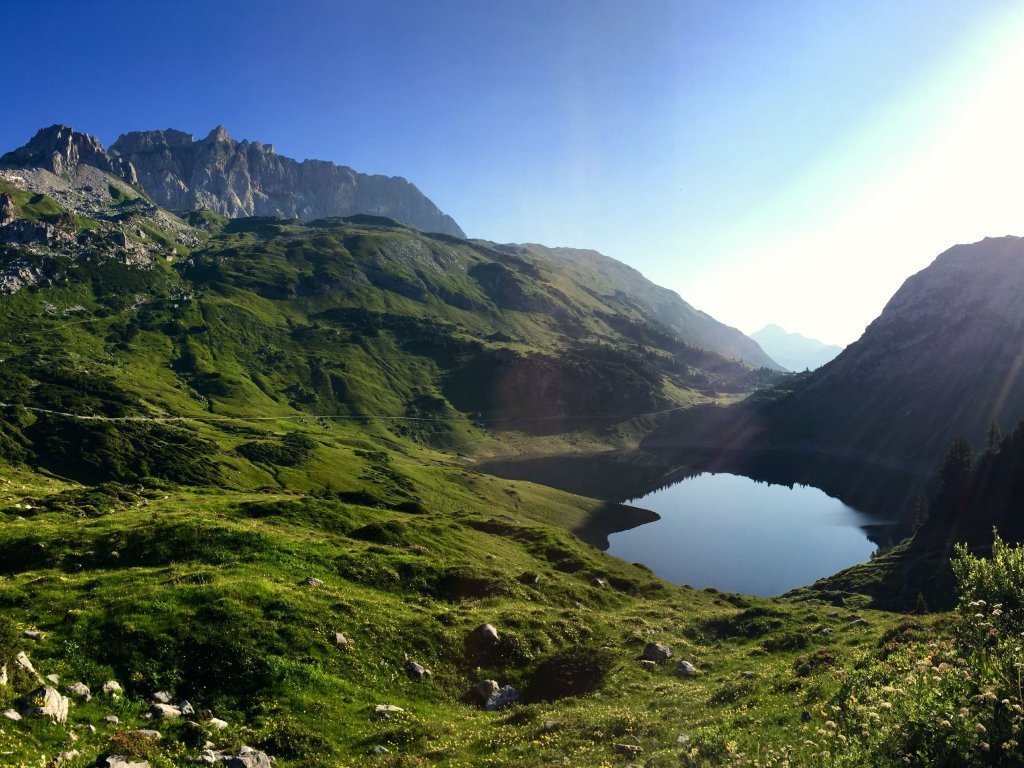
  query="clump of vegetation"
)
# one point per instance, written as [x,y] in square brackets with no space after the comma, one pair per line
[948,701]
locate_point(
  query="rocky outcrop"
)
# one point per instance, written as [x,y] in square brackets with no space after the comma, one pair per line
[247,178]
[60,150]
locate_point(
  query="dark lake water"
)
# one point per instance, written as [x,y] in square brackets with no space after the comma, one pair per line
[740,535]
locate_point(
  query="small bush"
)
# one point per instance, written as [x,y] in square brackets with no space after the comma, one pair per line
[570,672]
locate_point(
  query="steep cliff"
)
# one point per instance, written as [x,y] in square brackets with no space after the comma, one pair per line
[247,178]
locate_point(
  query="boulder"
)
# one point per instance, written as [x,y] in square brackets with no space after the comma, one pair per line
[247,757]
[46,701]
[217,723]
[657,653]
[186,708]
[482,691]
[81,690]
[164,711]
[501,698]
[417,671]
[685,669]
[629,750]
[386,710]
[340,641]
[23,661]
[485,634]
[120,761]
[163,697]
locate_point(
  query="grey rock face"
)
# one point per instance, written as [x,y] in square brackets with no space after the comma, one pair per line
[250,179]
[60,149]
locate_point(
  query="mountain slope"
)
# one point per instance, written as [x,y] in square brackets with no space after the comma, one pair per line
[433,339]
[629,291]
[793,350]
[943,359]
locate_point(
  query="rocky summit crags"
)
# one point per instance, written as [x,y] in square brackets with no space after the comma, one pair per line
[232,178]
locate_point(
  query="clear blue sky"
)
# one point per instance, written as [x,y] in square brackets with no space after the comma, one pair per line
[735,151]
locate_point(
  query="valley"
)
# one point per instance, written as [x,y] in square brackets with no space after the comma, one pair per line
[322,474]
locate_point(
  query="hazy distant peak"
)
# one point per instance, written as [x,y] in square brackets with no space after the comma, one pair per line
[794,350]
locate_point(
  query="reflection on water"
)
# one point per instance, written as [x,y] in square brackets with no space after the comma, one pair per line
[740,535]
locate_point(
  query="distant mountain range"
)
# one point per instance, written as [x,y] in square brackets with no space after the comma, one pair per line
[232,178]
[794,351]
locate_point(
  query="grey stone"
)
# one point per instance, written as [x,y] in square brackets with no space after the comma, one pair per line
[163,697]
[657,653]
[23,661]
[149,733]
[65,757]
[485,634]
[340,641]
[11,714]
[217,723]
[33,634]
[649,665]
[501,698]
[112,719]
[81,690]
[112,687]
[247,757]
[120,761]
[629,750]
[483,691]
[599,582]
[46,701]
[164,711]
[186,708]
[386,710]
[686,669]
[313,581]
[417,671]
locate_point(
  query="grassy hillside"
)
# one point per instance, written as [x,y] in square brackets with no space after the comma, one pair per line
[224,443]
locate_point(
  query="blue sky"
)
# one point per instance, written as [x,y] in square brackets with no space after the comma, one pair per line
[786,162]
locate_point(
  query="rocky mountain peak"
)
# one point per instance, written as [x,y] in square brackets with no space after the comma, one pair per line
[61,149]
[220,133]
[248,178]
